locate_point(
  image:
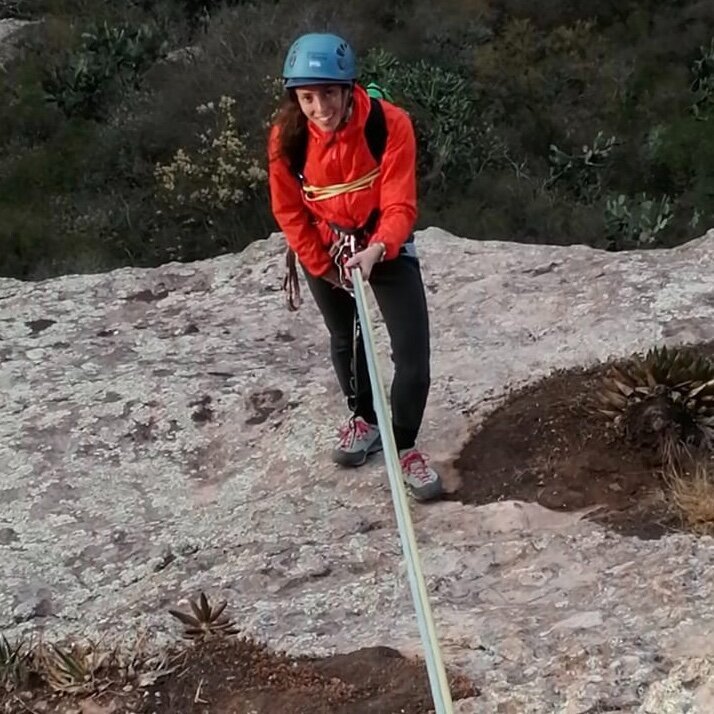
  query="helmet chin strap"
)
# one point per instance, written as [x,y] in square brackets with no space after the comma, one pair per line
[347,106]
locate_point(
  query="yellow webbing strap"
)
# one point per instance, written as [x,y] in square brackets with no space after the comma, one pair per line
[321,193]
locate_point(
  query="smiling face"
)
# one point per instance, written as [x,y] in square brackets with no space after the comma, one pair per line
[323,104]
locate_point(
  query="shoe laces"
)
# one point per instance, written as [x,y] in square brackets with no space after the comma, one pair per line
[415,463]
[354,429]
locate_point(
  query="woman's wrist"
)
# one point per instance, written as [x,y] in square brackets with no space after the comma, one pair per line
[381,247]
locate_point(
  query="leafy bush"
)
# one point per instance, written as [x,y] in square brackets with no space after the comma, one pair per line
[637,221]
[684,150]
[79,85]
[18,9]
[703,83]
[453,141]
[219,175]
[582,172]
[515,105]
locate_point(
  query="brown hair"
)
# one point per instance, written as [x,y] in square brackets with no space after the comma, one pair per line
[292,125]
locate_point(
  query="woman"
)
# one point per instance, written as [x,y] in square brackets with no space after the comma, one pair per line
[327,186]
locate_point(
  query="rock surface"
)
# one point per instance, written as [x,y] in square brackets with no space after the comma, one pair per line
[9,32]
[166,431]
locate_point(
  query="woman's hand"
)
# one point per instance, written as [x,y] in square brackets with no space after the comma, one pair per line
[366,259]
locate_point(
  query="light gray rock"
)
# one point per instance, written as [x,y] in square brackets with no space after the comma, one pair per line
[688,688]
[167,431]
[9,32]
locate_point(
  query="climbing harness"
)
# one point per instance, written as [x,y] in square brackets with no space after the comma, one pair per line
[441,695]
[339,247]
[347,243]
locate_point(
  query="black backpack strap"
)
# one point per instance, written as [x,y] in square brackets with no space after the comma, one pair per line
[297,162]
[375,130]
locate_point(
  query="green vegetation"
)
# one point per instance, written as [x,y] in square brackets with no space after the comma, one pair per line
[134,133]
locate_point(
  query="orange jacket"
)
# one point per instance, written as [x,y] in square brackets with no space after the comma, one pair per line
[340,158]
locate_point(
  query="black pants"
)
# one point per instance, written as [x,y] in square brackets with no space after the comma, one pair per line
[399,290]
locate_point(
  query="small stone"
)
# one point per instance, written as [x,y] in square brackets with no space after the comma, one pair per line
[7,536]
[37,326]
[188,548]
[580,621]
[43,607]
[164,560]
[38,606]
[118,536]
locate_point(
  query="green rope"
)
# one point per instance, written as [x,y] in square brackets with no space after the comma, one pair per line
[440,692]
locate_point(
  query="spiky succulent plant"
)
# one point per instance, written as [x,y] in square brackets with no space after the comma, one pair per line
[74,668]
[668,393]
[13,662]
[206,621]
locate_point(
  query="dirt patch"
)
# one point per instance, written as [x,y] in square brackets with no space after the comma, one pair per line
[544,445]
[245,677]
[240,676]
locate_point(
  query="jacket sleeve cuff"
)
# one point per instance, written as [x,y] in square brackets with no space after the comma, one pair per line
[391,248]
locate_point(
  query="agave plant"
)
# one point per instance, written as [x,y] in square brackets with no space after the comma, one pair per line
[73,669]
[668,393]
[13,662]
[206,621]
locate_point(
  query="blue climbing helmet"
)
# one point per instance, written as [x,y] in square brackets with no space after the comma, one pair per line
[319,58]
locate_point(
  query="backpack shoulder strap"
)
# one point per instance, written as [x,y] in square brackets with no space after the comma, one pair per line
[375,130]
[297,162]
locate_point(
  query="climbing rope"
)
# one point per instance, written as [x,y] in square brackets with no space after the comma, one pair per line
[440,692]
[322,193]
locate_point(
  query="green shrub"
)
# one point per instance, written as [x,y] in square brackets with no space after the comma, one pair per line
[703,82]
[582,171]
[107,55]
[638,221]
[497,205]
[442,109]
[514,102]
[35,245]
[220,174]
[685,150]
